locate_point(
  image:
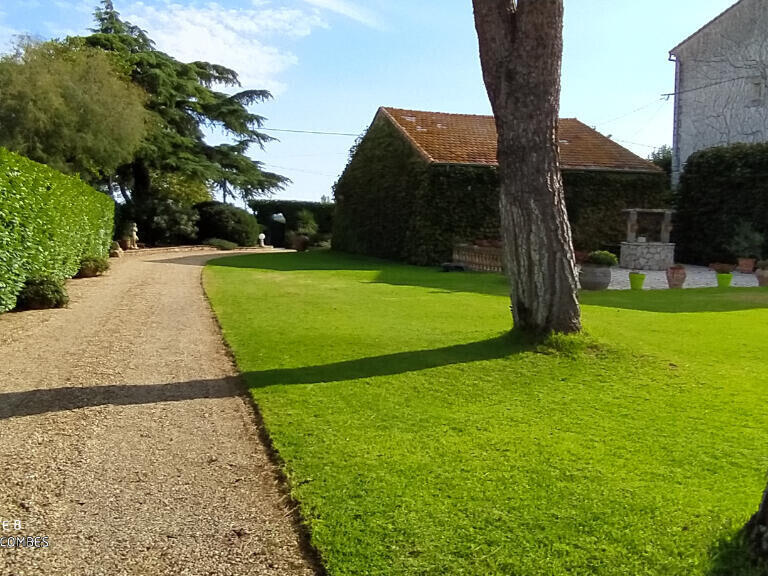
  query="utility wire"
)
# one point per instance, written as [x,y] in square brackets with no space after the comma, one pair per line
[317,132]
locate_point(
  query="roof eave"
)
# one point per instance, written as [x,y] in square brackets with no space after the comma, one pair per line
[563,168]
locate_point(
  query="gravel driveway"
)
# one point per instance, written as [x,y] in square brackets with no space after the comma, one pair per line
[125,442]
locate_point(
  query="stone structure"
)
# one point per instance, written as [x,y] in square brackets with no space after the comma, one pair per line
[720,83]
[639,254]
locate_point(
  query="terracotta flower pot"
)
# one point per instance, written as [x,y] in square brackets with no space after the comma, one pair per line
[676,277]
[593,277]
[747,265]
[762,278]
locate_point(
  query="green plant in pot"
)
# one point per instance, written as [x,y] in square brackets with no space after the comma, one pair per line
[636,280]
[676,276]
[747,245]
[595,272]
[724,274]
[762,273]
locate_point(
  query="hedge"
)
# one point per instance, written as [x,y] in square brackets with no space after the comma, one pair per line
[720,189]
[48,222]
[265,209]
[227,222]
[391,203]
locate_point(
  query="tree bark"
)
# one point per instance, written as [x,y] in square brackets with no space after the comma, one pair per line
[521,45]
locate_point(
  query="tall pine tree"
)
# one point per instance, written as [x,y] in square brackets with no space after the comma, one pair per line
[182,101]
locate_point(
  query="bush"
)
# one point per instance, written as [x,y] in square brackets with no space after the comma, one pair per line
[721,190]
[41,294]
[93,266]
[748,242]
[172,224]
[220,244]
[218,220]
[48,222]
[601,258]
[762,265]
[307,224]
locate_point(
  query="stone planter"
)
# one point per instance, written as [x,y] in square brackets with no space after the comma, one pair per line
[593,277]
[676,277]
[747,265]
[762,278]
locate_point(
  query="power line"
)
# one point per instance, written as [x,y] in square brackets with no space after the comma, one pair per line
[635,111]
[317,132]
[313,172]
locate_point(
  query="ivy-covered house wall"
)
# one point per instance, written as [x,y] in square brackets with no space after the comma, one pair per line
[392,203]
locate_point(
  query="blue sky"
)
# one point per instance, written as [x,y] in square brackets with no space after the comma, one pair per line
[332,63]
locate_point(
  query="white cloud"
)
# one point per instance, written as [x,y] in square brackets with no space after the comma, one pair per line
[348,9]
[241,39]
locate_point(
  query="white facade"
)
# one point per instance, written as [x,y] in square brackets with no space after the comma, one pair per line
[721,83]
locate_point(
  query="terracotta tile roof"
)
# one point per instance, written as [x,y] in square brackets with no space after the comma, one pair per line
[467,139]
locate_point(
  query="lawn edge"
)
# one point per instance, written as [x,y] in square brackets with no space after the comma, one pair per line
[309,551]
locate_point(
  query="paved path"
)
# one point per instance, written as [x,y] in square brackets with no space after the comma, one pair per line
[697,277]
[124,441]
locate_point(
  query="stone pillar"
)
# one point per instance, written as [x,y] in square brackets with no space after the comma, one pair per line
[666,227]
[632,226]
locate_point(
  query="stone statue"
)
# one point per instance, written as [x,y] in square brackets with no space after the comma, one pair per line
[262,237]
[131,237]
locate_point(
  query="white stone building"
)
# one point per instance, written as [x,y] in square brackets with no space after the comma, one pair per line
[721,83]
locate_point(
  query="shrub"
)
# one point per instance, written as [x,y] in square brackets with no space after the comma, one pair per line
[93,266]
[307,224]
[42,293]
[48,221]
[601,258]
[721,190]
[747,242]
[218,220]
[220,244]
[172,223]
[762,265]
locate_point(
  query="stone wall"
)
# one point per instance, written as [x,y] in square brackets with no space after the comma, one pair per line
[647,255]
[722,96]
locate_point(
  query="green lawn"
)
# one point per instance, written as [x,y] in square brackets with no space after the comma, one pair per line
[421,438]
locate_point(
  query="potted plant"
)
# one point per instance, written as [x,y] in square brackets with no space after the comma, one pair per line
[747,245]
[595,273]
[636,280]
[676,276]
[724,274]
[762,273]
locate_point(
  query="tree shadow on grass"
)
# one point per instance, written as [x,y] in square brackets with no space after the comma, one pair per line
[392,273]
[731,557]
[302,261]
[47,400]
[392,364]
[680,301]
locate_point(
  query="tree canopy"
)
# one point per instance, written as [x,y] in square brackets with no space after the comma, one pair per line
[183,102]
[69,107]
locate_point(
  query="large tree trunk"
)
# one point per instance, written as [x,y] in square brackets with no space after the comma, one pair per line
[521,45]
[757,529]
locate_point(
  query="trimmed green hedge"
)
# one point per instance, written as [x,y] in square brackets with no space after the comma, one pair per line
[392,204]
[265,209]
[720,189]
[48,223]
